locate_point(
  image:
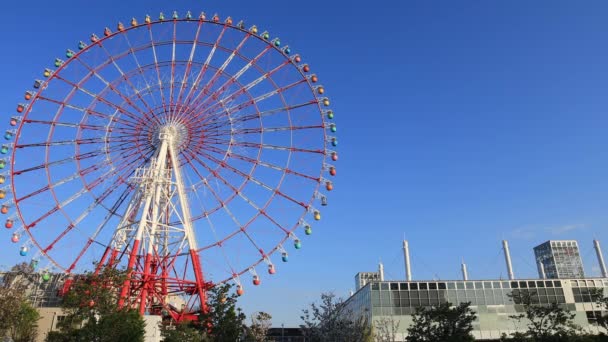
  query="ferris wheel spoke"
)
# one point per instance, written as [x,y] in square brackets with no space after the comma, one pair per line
[271,166]
[75,142]
[199,77]
[133,88]
[171,103]
[259,115]
[248,103]
[218,72]
[114,89]
[60,161]
[249,177]
[77,86]
[234,79]
[90,111]
[85,213]
[268,146]
[76,125]
[189,63]
[214,172]
[249,86]
[139,67]
[160,82]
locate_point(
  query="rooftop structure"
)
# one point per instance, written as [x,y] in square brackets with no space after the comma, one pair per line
[559,259]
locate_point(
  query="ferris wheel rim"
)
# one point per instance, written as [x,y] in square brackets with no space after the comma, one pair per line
[115,34]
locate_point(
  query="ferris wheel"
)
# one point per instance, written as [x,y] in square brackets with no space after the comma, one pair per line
[194,151]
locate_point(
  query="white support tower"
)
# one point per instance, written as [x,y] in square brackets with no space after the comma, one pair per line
[165,225]
[600,258]
[465,274]
[505,247]
[381,271]
[406,258]
[541,269]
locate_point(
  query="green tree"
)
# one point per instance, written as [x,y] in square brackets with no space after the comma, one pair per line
[386,329]
[18,319]
[223,321]
[24,323]
[444,322]
[258,330]
[91,305]
[602,302]
[328,321]
[550,323]
[183,332]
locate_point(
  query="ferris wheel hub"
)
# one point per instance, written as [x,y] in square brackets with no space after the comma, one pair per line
[175,133]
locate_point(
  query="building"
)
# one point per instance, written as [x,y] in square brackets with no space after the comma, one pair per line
[559,259]
[362,278]
[493,300]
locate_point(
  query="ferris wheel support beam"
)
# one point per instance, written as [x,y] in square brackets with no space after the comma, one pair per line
[188,231]
[156,164]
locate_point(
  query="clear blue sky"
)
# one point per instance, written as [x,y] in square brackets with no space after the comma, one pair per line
[460,124]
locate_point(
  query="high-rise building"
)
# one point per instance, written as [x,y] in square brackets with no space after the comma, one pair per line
[559,259]
[362,278]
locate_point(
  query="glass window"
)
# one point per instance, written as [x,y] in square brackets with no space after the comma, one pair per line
[422,286]
[496,284]
[487,284]
[514,284]
[540,283]
[460,286]
[404,286]
[557,283]
[432,286]
[413,286]
[384,286]
[441,286]
[478,285]
[522,284]
[532,284]
[394,286]
[375,286]
[469,285]
[548,283]
[451,286]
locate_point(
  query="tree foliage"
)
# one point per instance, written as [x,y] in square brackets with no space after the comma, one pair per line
[327,321]
[92,313]
[224,321]
[442,323]
[260,323]
[543,322]
[183,332]
[385,329]
[18,319]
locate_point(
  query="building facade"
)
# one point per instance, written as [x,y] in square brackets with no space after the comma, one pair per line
[559,259]
[362,278]
[492,300]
